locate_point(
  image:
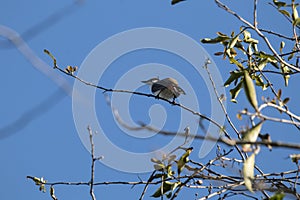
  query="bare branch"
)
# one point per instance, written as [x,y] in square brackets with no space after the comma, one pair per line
[220,99]
[255,14]
[229,142]
[91,183]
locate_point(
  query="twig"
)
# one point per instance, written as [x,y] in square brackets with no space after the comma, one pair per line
[274,119]
[284,110]
[255,14]
[229,142]
[91,183]
[291,115]
[147,184]
[277,34]
[222,191]
[219,99]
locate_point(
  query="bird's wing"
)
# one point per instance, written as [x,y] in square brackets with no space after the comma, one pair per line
[157,87]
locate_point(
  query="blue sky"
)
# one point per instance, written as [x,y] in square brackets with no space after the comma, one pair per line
[49,146]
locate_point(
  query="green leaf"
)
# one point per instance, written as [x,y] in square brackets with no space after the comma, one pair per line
[260,82]
[279,3]
[248,38]
[231,53]
[169,195]
[234,75]
[285,101]
[166,186]
[295,157]
[40,182]
[284,12]
[219,53]
[183,160]
[279,93]
[250,90]
[282,44]
[235,91]
[264,55]
[291,56]
[295,13]
[262,63]
[159,167]
[170,172]
[222,34]
[171,158]
[296,22]
[233,41]
[277,196]
[247,35]
[251,135]
[154,160]
[238,64]
[248,171]
[157,176]
[285,69]
[70,69]
[215,40]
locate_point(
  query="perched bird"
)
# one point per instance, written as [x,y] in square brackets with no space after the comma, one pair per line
[166,88]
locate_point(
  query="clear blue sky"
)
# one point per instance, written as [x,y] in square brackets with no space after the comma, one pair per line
[49,146]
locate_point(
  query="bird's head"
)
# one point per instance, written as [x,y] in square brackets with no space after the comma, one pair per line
[151,81]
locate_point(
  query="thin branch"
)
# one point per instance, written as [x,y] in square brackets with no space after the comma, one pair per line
[289,53]
[147,184]
[222,191]
[274,119]
[229,142]
[284,110]
[277,34]
[220,99]
[91,183]
[255,14]
[291,115]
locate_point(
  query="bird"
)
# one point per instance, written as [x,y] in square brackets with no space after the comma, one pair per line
[166,88]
